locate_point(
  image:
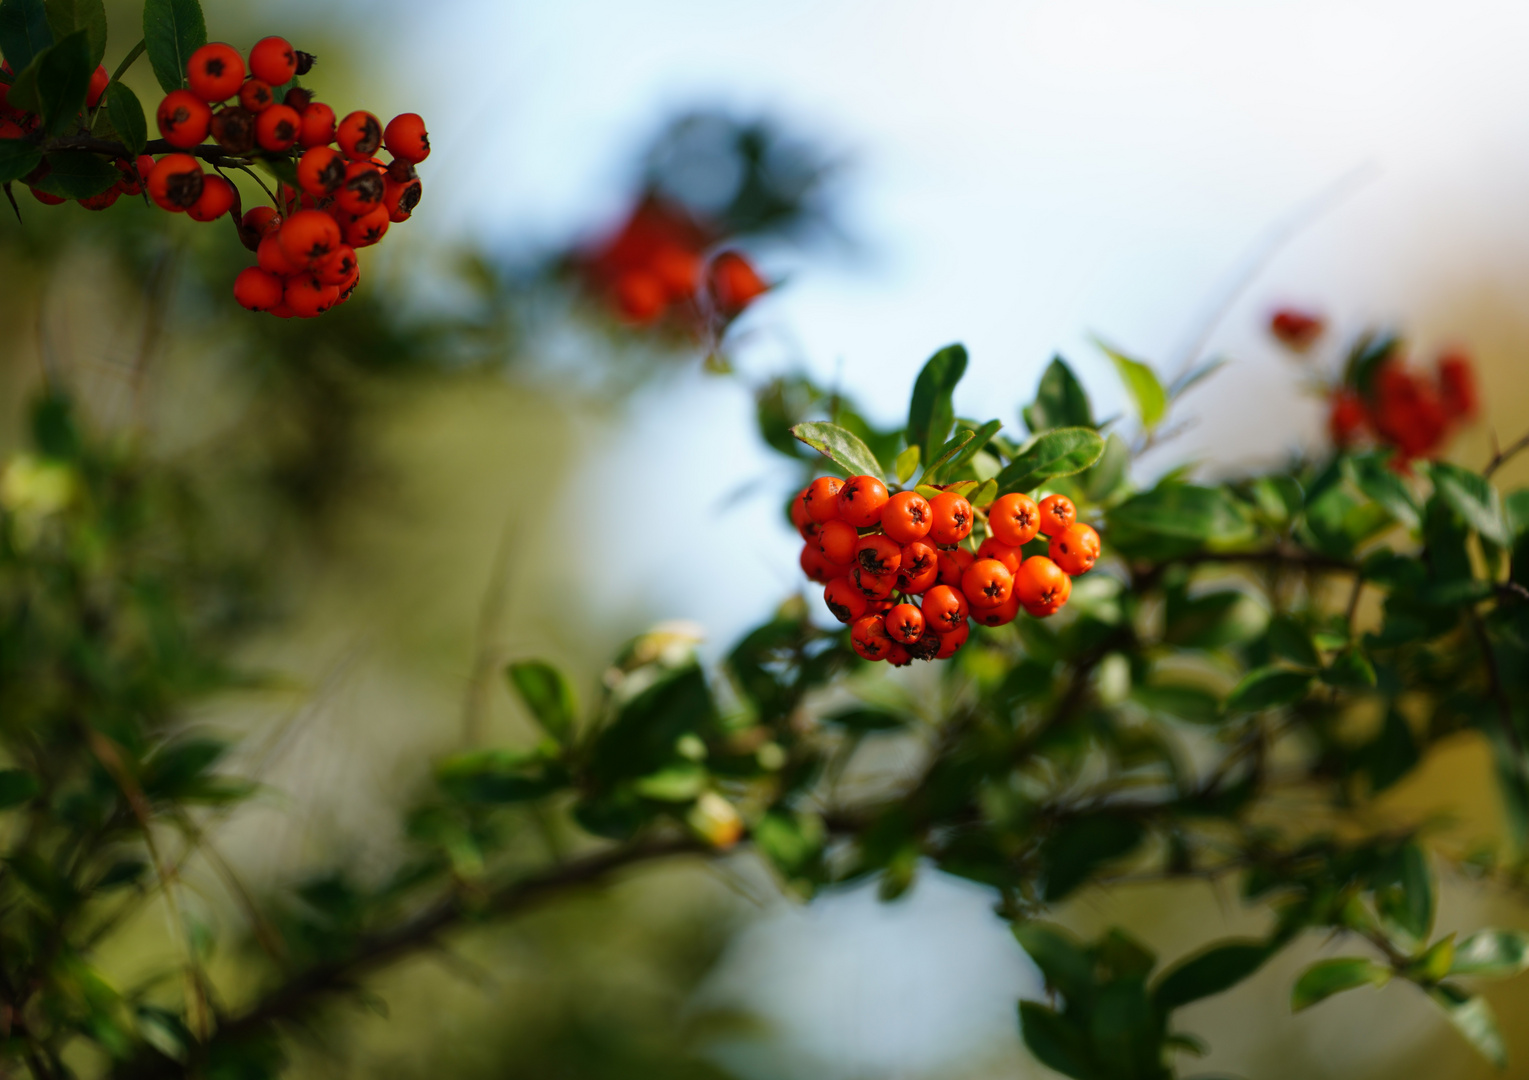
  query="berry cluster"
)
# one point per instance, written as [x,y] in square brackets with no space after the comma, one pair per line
[894,566]
[655,265]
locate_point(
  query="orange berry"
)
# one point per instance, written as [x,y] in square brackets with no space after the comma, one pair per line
[184,119]
[215,72]
[816,567]
[217,199]
[401,197]
[953,566]
[1014,519]
[309,236]
[317,125]
[276,128]
[868,636]
[862,500]
[320,171]
[359,135]
[987,583]
[944,609]
[233,128]
[307,296]
[362,190]
[257,289]
[873,586]
[366,230]
[175,183]
[821,498]
[907,517]
[1057,512]
[734,282]
[640,296]
[405,137]
[1076,549]
[677,267]
[837,541]
[273,61]
[950,519]
[1042,586]
[337,268]
[899,655]
[905,624]
[1001,615]
[99,81]
[273,259]
[844,600]
[256,96]
[879,554]
[1009,556]
[952,641]
[805,526]
[919,568]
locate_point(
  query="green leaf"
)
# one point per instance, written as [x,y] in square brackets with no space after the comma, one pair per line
[1063,961]
[24,32]
[1216,969]
[17,158]
[179,769]
[56,82]
[906,464]
[956,453]
[792,842]
[16,787]
[1350,670]
[1287,638]
[1081,845]
[1054,1042]
[1059,452]
[1379,481]
[1473,498]
[1328,977]
[1174,519]
[677,783]
[1105,476]
[77,174]
[930,412]
[1494,953]
[1060,401]
[496,776]
[842,446]
[869,720]
[172,31]
[1391,755]
[1142,382]
[67,16]
[545,693]
[1268,688]
[1472,1017]
[1404,893]
[1435,963]
[1188,703]
[126,115]
[1278,498]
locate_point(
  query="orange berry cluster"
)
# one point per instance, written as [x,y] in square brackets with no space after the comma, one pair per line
[895,569]
[345,199]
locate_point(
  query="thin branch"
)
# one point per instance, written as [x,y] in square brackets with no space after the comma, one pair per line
[1500,458]
[490,618]
[214,155]
[127,61]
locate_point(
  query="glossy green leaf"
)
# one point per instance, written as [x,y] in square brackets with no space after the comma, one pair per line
[1472,1017]
[1473,498]
[1081,845]
[1142,383]
[931,412]
[126,115]
[956,453]
[843,447]
[1059,452]
[24,32]
[172,31]
[65,17]
[54,85]
[1054,1042]
[1268,688]
[545,693]
[1060,401]
[1494,953]
[17,786]
[1213,971]
[906,464]
[76,174]
[1328,977]
[17,158]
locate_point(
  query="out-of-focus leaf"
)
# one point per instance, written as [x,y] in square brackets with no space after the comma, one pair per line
[868,720]
[1278,498]
[126,115]
[1373,476]
[77,174]
[1287,638]
[1494,953]
[67,16]
[1102,479]
[1174,519]
[1142,382]
[1350,670]
[496,776]
[172,31]
[545,693]
[930,411]
[1268,688]
[18,158]
[1472,497]
[1063,961]
[17,786]
[1189,703]
[24,32]
[1060,401]
[1054,1042]
[1072,853]
[677,783]
[1392,754]
[1472,1017]
[1058,452]
[54,85]
[843,447]
[1328,977]
[906,464]
[1216,969]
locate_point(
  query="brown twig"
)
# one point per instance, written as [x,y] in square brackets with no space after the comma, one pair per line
[1500,457]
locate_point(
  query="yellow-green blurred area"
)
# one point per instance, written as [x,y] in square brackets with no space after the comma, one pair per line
[422,491]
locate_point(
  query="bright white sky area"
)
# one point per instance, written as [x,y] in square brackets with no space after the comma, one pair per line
[1023,173]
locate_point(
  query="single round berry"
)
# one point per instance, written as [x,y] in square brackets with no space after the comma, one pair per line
[816,567]
[309,236]
[273,259]
[951,519]
[821,498]
[952,641]
[1076,549]
[99,81]
[256,96]
[273,61]
[878,554]
[800,519]
[101,201]
[217,198]
[320,171]
[337,268]
[907,517]
[307,296]
[945,609]
[844,600]
[215,72]
[898,655]
[991,548]
[276,128]
[734,283]
[359,135]
[837,541]
[401,197]
[953,565]
[46,199]
[1014,519]
[987,583]
[257,289]
[868,636]
[1001,615]
[919,569]
[677,267]
[361,190]
[175,183]
[862,500]
[640,296]
[873,586]
[405,137]
[233,128]
[184,119]
[1042,586]
[1057,513]
[905,624]
[317,126]
[366,230]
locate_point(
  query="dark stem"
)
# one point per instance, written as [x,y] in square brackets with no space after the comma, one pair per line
[1500,458]
[213,154]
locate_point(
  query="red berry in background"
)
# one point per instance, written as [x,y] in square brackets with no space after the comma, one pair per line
[945,609]
[101,201]
[1075,550]
[640,296]
[215,72]
[950,520]
[734,283]
[998,615]
[143,164]
[405,137]
[821,498]
[276,128]
[47,199]
[1041,586]
[1057,513]
[1296,330]
[919,568]
[359,135]
[862,500]
[255,224]
[844,600]
[362,189]
[130,183]
[175,183]
[1457,385]
[256,96]
[257,289]
[1346,418]
[317,125]
[907,517]
[184,119]
[320,171]
[991,548]
[1407,413]
[953,566]
[678,268]
[273,61]
[904,623]
[1014,519]
[951,642]
[878,554]
[987,583]
[868,637]
[815,566]
[99,81]
[9,129]
[217,199]
[309,236]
